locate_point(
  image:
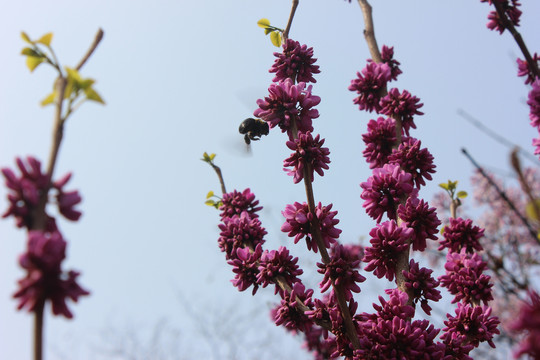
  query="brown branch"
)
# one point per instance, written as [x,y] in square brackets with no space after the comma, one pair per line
[220,176]
[91,50]
[289,22]
[402,263]
[517,37]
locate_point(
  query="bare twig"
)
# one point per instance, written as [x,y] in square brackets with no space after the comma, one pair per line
[492,134]
[91,50]
[503,196]
[289,22]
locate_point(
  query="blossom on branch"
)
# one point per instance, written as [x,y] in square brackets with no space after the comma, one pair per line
[370,85]
[296,62]
[403,105]
[309,153]
[45,279]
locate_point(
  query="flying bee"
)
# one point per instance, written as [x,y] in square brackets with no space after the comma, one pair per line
[253,129]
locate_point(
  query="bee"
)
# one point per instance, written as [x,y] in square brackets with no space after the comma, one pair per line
[253,129]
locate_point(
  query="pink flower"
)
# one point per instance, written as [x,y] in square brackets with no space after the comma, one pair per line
[246,267]
[415,160]
[341,270]
[534,104]
[44,279]
[388,241]
[240,231]
[528,323]
[417,215]
[287,313]
[387,55]
[511,12]
[461,234]
[26,190]
[308,151]
[278,263]
[403,106]
[296,62]
[524,69]
[379,140]
[422,285]
[475,324]
[298,223]
[384,190]
[234,203]
[286,104]
[369,85]
[465,279]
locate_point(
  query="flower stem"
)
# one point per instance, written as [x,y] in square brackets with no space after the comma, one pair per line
[38,330]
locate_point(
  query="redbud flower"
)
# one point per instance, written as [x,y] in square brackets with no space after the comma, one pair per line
[44,279]
[296,62]
[534,103]
[396,306]
[341,270]
[298,222]
[461,234]
[524,69]
[369,86]
[465,279]
[511,12]
[457,348]
[536,144]
[246,267]
[278,263]
[307,151]
[402,105]
[417,215]
[399,339]
[528,323]
[388,241]
[384,190]
[414,160]
[234,203]
[387,55]
[240,231]
[287,313]
[286,104]
[421,285]
[27,189]
[473,323]
[379,140]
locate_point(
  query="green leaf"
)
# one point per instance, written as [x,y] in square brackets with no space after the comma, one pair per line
[206,158]
[92,95]
[275,37]
[209,202]
[264,23]
[49,99]
[32,62]
[30,52]
[267,31]
[462,194]
[529,210]
[442,230]
[210,194]
[26,38]
[444,186]
[74,74]
[86,83]
[45,39]
[212,156]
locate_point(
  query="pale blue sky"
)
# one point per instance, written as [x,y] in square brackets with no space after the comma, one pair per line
[176,76]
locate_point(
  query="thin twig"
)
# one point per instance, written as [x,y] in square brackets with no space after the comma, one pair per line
[369,31]
[492,134]
[289,22]
[220,176]
[517,37]
[38,330]
[91,50]
[503,196]
[524,184]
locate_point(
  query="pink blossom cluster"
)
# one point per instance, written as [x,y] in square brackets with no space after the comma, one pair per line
[331,325]
[28,197]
